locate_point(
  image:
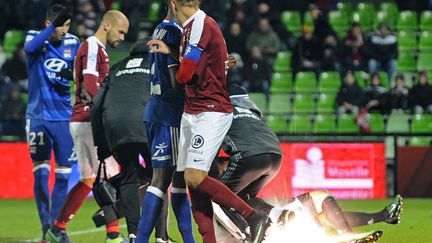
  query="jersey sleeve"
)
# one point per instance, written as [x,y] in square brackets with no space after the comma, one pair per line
[35,41]
[89,69]
[172,39]
[199,39]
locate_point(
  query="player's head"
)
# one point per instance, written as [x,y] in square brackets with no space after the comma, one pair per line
[61,31]
[183,9]
[115,25]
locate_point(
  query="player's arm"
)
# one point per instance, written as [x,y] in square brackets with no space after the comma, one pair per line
[190,60]
[172,72]
[35,43]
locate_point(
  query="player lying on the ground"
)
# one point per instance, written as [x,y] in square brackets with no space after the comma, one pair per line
[254,159]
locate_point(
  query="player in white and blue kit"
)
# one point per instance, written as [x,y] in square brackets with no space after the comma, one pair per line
[48,53]
[162,117]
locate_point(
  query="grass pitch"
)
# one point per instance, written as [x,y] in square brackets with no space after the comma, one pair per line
[19,222]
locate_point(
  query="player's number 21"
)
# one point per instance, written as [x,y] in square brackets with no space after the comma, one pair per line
[34,136]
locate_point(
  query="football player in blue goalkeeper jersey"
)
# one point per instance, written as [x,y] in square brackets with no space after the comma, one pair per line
[49,52]
[162,117]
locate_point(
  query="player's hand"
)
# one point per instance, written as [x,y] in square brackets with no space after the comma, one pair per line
[63,16]
[66,74]
[232,62]
[158,46]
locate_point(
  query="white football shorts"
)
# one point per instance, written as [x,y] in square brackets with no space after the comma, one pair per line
[201,136]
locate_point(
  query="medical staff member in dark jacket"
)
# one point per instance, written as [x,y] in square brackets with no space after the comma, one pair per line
[118,127]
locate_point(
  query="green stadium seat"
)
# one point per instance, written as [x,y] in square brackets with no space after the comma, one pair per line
[366,7]
[277,123]
[304,103]
[347,124]
[367,14]
[406,61]
[362,78]
[300,123]
[279,103]
[424,61]
[325,123]
[154,12]
[329,82]
[419,141]
[421,123]
[11,39]
[377,122]
[345,8]
[305,82]
[292,21]
[307,19]
[390,8]
[326,103]
[425,41]
[385,17]
[281,82]
[398,123]
[407,40]
[339,21]
[260,100]
[282,62]
[384,79]
[365,20]
[407,20]
[426,20]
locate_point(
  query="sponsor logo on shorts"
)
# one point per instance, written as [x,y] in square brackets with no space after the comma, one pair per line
[160,149]
[198,160]
[197,141]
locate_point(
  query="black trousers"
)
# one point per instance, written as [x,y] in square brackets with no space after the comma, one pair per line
[128,157]
[248,176]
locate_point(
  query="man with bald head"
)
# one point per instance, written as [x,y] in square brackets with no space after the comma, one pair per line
[91,67]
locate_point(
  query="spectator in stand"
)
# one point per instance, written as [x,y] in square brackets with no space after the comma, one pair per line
[257,73]
[269,9]
[353,57]
[349,96]
[266,39]
[382,50]
[399,95]
[306,53]
[420,94]
[236,39]
[327,39]
[323,30]
[376,95]
[16,69]
[13,114]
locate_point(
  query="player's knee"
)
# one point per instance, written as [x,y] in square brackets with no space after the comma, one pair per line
[162,178]
[37,163]
[63,172]
[194,177]
[318,198]
[89,181]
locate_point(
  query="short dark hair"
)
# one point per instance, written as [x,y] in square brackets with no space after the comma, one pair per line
[53,11]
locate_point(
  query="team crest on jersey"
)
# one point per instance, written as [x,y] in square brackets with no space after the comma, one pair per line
[67,53]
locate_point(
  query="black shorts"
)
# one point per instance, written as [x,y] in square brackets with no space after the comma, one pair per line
[248,176]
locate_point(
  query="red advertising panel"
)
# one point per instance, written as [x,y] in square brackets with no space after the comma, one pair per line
[348,170]
[16,174]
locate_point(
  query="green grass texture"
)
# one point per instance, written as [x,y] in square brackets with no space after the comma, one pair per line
[19,222]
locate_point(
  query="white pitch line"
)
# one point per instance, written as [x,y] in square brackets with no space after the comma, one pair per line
[78,232]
